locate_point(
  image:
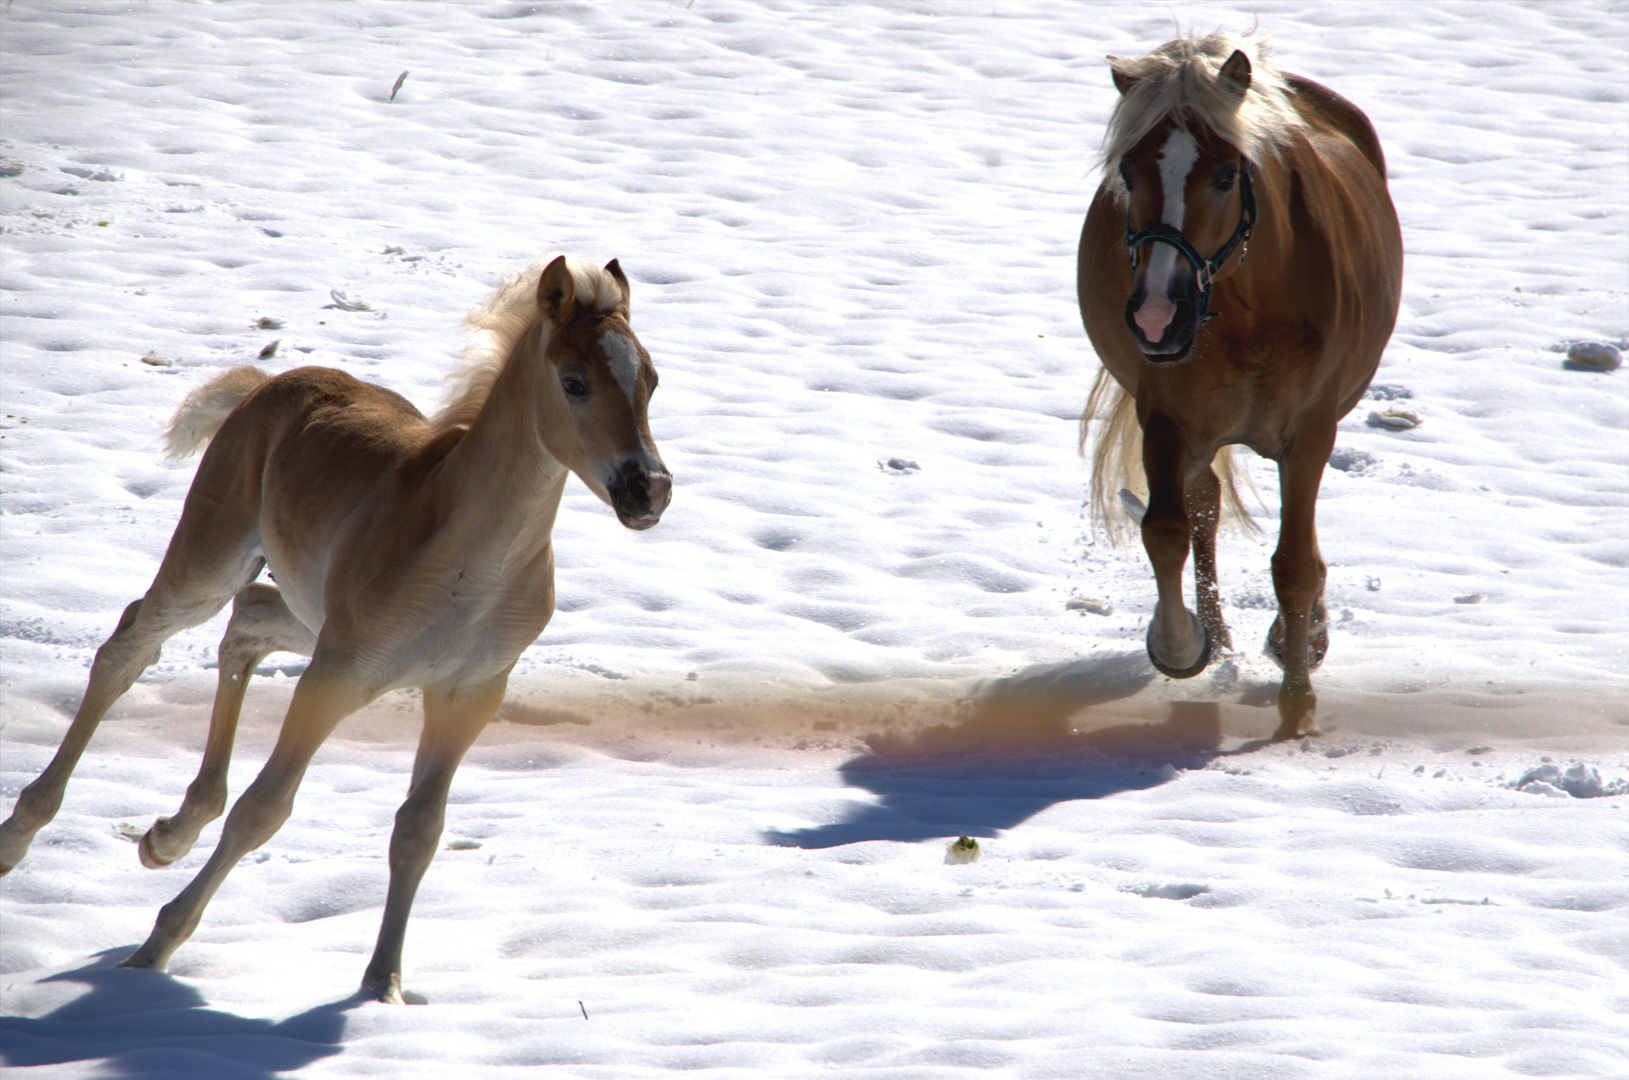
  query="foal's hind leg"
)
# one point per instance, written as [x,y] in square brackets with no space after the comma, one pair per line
[134,646]
[260,624]
[451,723]
[1204,505]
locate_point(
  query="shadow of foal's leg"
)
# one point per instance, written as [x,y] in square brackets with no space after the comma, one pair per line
[260,625]
[451,724]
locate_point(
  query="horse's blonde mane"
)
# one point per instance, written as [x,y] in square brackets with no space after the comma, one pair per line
[499,324]
[1181,80]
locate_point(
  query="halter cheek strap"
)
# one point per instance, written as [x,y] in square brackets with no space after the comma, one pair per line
[1205,271]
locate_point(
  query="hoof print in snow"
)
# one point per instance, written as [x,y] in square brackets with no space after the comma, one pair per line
[153,359]
[9,169]
[898,465]
[1396,419]
[1089,603]
[1577,780]
[1470,598]
[1355,462]
[963,849]
[1593,356]
[1390,392]
[266,322]
[1171,892]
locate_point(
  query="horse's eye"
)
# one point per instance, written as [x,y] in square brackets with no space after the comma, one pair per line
[573,386]
[1226,177]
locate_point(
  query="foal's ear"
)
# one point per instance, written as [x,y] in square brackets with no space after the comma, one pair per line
[555,289]
[1236,72]
[614,268]
[1123,81]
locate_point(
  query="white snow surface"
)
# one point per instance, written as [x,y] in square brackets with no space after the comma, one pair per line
[708,832]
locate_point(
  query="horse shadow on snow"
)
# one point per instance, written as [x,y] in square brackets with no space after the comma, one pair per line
[143,1025]
[1016,752]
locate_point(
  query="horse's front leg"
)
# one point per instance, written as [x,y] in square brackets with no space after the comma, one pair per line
[452,720]
[260,625]
[1177,642]
[323,698]
[1300,635]
[1204,505]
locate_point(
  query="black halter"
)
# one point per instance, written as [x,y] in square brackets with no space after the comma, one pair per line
[1204,272]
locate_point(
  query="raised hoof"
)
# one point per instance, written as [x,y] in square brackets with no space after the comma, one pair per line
[1193,669]
[149,855]
[1317,639]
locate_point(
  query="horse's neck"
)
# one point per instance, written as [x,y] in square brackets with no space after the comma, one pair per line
[499,478]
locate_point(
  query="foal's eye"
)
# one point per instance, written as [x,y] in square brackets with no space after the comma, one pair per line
[573,386]
[1226,176]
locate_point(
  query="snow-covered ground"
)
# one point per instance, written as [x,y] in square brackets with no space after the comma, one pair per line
[709,833]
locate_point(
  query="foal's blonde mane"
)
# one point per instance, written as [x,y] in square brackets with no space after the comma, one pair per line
[502,321]
[1181,80]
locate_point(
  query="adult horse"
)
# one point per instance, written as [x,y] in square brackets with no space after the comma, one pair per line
[1211,152]
[406,551]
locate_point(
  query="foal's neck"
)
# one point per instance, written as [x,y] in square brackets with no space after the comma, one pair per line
[500,476]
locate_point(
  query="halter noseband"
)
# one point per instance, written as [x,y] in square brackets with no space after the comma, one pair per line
[1204,272]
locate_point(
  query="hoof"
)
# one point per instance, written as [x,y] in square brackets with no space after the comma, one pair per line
[386,991]
[1317,639]
[1198,629]
[150,858]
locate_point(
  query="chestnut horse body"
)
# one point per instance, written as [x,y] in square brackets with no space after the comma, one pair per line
[1239,276]
[406,552]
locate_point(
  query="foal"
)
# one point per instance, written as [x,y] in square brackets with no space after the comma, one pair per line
[406,551]
[1210,152]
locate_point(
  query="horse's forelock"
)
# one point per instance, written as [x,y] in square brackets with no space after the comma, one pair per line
[1181,81]
[506,316]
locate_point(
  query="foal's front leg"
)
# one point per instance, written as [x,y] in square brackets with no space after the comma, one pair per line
[452,720]
[260,624]
[321,700]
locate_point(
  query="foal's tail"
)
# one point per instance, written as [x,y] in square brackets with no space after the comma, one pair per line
[205,409]
[1117,464]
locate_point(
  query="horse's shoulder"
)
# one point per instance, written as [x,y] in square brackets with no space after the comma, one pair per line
[1330,111]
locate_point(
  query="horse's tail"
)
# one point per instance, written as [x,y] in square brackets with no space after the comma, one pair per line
[204,410]
[1117,465]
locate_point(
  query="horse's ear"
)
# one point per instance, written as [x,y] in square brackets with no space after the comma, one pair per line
[1122,80]
[1237,71]
[555,289]
[614,268]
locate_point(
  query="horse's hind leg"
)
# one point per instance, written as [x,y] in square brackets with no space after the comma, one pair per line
[451,724]
[212,555]
[134,646]
[1204,505]
[260,624]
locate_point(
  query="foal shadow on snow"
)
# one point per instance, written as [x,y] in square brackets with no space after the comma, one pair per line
[143,1025]
[1017,751]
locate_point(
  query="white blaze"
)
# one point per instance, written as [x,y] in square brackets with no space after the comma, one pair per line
[1177,160]
[622,357]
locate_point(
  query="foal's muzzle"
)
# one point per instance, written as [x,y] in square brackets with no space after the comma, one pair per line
[640,493]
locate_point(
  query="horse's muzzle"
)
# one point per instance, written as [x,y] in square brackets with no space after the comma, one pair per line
[639,494]
[1164,329]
